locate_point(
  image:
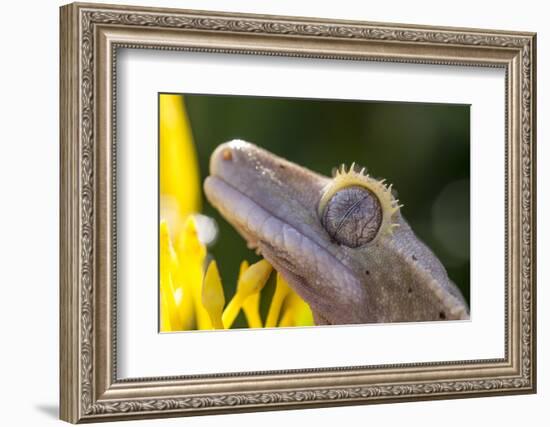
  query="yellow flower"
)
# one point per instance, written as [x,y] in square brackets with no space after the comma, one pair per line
[213,299]
[180,187]
[192,254]
[251,305]
[180,194]
[175,313]
[250,282]
[189,298]
[281,291]
[295,312]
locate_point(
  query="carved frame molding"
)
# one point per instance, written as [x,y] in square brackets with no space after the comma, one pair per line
[90,37]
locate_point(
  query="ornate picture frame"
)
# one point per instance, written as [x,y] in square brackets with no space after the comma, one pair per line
[91,34]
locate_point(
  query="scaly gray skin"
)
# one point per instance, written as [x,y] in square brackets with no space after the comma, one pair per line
[273,204]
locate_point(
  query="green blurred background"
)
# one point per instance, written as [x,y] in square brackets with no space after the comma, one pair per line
[423,149]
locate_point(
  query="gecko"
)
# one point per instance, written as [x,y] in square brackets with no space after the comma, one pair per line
[341,242]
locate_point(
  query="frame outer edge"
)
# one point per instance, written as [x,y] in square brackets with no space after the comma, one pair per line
[533,124]
[68,226]
[78,223]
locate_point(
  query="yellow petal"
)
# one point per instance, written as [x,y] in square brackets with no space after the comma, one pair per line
[242,268]
[296,312]
[251,281]
[254,278]
[251,308]
[165,325]
[179,171]
[170,316]
[191,254]
[213,299]
[188,242]
[287,319]
[281,291]
[251,305]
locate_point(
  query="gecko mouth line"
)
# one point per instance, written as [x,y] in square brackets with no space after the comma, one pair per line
[259,227]
[253,231]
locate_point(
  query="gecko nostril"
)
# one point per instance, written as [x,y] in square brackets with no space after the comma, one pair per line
[442,315]
[227,154]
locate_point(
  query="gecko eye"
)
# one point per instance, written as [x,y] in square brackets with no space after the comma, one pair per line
[356,209]
[353,216]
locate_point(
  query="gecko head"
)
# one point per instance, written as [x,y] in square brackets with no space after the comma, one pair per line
[305,224]
[340,241]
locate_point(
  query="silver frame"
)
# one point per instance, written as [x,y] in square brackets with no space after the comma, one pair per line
[90,37]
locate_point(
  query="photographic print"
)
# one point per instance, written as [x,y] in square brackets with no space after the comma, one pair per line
[282,212]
